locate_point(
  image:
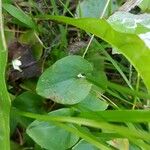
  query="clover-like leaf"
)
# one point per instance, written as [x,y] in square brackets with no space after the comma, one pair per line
[65,81]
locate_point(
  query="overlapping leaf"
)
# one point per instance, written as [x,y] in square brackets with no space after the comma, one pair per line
[65,81]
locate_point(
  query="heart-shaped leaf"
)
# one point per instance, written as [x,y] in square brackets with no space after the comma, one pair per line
[65,81]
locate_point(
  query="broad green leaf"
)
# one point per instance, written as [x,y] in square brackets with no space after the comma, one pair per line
[145,5]
[20,15]
[129,23]
[130,45]
[83,145]
[93,8]
[92,102]
[50,136]
[29,101]
[65,81]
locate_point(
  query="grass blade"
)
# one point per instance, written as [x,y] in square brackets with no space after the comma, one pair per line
[4,96]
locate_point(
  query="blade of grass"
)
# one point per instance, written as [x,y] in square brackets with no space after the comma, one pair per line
[63,30]
[66,7]
[118,97]
[128,91]
[137,89]
[123,131]
[119,115]
[20,15]
[4,96]
[119,88]
[114,63]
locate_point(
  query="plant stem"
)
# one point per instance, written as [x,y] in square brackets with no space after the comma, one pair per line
[137,89]
[4,96]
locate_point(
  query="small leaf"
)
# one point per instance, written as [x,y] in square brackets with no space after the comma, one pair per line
[20,15]
[29,101]
[62,82]
[51,137]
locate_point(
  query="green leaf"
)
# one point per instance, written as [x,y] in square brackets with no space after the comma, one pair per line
[83,145]
[50,136]
[29,101]
[6,1]
[129,23]
[92,102]
[90,8]
[145,6]
[20,15]
[119,115]
[65,81]
[130,45]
